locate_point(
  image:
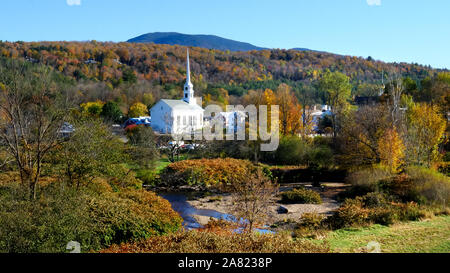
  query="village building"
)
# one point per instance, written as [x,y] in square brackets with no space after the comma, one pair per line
[178,116]
[233,121]
[316,113]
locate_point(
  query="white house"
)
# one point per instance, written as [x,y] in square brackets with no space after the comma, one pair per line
[233,121]
[178,116]
[316,113]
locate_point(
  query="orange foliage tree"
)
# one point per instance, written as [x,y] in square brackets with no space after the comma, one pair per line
[290,110]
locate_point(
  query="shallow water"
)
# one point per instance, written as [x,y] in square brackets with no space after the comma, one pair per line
[179,204]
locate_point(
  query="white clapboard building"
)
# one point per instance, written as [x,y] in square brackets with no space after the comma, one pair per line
[178,116]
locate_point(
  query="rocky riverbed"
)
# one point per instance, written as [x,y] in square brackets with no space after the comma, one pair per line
[224,203]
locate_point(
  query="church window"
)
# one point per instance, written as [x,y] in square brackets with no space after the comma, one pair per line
[195,121]
[184,120]
[178,120]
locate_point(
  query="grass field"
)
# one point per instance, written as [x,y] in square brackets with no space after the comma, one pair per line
[162,163]
[430,235]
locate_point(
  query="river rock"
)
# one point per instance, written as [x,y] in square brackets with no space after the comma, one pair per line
[282,210]
[202,220]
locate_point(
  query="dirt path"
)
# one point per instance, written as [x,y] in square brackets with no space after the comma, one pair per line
[223,203]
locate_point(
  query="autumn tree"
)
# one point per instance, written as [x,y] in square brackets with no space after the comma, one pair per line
[252,195]
[395,89]
[337,89]
[307,97]
[32,110]
[290,110]
[391,150]
[93,107]
[437,91]
[137,110]
[425,131]
[361,132]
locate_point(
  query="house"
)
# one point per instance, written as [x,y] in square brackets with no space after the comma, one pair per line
[90,61]
[316,113]
[66,130]
[232,121]
[178,116]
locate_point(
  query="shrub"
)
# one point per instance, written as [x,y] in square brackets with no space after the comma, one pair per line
[96,217]
[147,176]
[45,225]
[382,215]
[366,180]
[205,172]
[211,242]
[319,156]
[293,150]
[374,208]
[410,212]
[350,214]
[311,220]
[431,185]
[301,196]
[375,200]
[132,214]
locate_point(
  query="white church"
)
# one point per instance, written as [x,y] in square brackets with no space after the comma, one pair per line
[178,116]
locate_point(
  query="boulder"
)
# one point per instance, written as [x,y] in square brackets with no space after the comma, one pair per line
[282,210]
[202,220]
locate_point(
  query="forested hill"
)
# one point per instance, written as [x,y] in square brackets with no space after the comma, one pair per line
[205,41]
[236,72]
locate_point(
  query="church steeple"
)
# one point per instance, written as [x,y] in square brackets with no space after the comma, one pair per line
[188,94]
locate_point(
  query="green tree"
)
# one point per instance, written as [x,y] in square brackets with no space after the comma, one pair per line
[91,151]
[129,76]
[142,147]
[111,112]
[337,88]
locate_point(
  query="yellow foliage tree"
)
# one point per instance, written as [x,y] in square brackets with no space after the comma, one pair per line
[426,128]
[391,150]
[92,107]
[137,110]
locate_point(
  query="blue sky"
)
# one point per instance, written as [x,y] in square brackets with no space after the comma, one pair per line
[388,30]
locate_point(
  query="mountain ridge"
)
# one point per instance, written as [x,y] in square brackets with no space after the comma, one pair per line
[197,40]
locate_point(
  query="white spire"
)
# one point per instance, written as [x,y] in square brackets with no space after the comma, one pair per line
[188,94]
[188,70]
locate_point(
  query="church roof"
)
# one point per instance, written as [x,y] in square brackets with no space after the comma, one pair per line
[181,105]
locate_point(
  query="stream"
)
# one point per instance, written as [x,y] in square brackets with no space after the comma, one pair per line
[179,204]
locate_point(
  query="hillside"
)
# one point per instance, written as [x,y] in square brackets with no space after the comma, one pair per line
[161,68]
[205,41]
